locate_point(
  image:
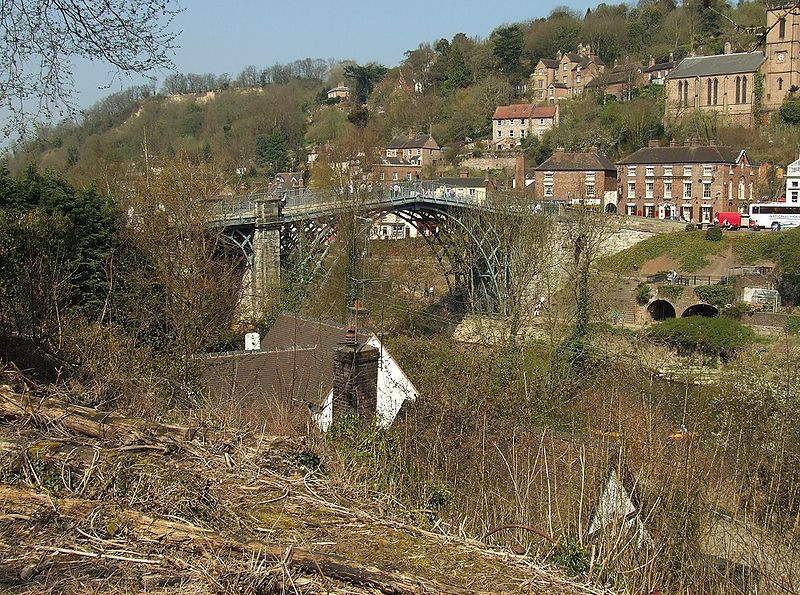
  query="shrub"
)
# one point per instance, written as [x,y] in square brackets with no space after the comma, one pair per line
[718,295]
[671,292]
[716,337]
[643,293]
[691,227]
[793,325]
[736,311]
[714,233]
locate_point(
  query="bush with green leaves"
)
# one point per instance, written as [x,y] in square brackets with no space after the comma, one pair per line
[714,233]
[671,292]
[643,293]
[717,295]
[714,337]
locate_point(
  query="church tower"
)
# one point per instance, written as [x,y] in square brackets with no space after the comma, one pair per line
[782,67]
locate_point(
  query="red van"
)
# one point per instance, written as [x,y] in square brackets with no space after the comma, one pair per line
[729,220]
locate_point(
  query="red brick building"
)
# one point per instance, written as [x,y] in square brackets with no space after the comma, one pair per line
[575,178]
[692,182]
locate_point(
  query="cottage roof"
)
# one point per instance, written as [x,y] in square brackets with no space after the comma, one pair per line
[294,365]
[659,66]
[617,76]
[558,85]
[717,65]
[651,155]
[524,110]
[589,161]
[550,63]
[418,141]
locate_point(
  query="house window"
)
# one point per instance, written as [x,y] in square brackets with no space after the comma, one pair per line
[687,190]
[685,93]
[499,134]
[630,209]
[383,176]
[705,214]
[709,91]
[541,121]
[565,80]
[541,83]
[650,170]
[794,195]
[511,133]
[388,152]
[578,78]
[648,210]
[499,122]
[780,84]
[741,189]
[686,213]
[716,91]
[648,189]
[548,189]
[590,189]
[707,170]
[523,121]
[687,171]
[419,151]
[744,89]
[706,189]
[667,189]
[782,28]
[395,177]
[522,133]
[565,67]
[631,189]
[410,176]
[631,170]
[738,90]
[667,170]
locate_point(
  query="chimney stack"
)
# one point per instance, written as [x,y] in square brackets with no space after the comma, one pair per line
[355,377]
[519,173]
[728,47]
[559,149]
[252,339]
[652,60]
[671,57]
[653,143]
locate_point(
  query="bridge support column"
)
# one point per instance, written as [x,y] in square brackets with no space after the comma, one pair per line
[266,251]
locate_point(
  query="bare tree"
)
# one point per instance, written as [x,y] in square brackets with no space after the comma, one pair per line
[41,39]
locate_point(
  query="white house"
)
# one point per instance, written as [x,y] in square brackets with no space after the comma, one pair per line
[793,182]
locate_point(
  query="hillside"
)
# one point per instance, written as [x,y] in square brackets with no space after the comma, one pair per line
[264,120]
[94,500]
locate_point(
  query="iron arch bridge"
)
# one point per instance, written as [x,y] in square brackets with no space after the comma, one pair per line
[292,234]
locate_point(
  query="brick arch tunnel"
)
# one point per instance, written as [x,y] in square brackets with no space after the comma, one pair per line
[706,310]
[661,310]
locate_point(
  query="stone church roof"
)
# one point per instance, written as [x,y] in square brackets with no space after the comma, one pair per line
[717,65]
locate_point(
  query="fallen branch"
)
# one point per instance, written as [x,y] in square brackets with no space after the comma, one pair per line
[541,534]
[178,534]
[100,555]
[89,422]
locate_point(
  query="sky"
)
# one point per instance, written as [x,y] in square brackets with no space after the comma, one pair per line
[223,37]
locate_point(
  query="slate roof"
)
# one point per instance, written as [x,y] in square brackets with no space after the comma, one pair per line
[717,65]
[415,142]
[564,161]
[550,63]
[559,85]
[649,155]
[524,110]
[615,77]
[294,365]
[659,66]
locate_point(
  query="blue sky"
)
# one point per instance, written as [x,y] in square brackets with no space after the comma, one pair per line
[227,36]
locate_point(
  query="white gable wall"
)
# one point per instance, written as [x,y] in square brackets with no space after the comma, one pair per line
[394,388]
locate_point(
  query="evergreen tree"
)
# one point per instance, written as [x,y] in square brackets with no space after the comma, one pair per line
[272,152]
[508,47]
[456,75]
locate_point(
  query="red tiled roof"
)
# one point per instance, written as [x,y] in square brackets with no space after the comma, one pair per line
[524,110]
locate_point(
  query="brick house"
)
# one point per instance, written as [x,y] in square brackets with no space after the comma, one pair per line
[405,157]
[656,72]
[575,178]
[619,81]
[566,76]
[692,182]
[512,123]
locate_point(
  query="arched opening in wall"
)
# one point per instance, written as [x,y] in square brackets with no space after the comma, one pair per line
[661,310]
[611,208]
[706,310]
